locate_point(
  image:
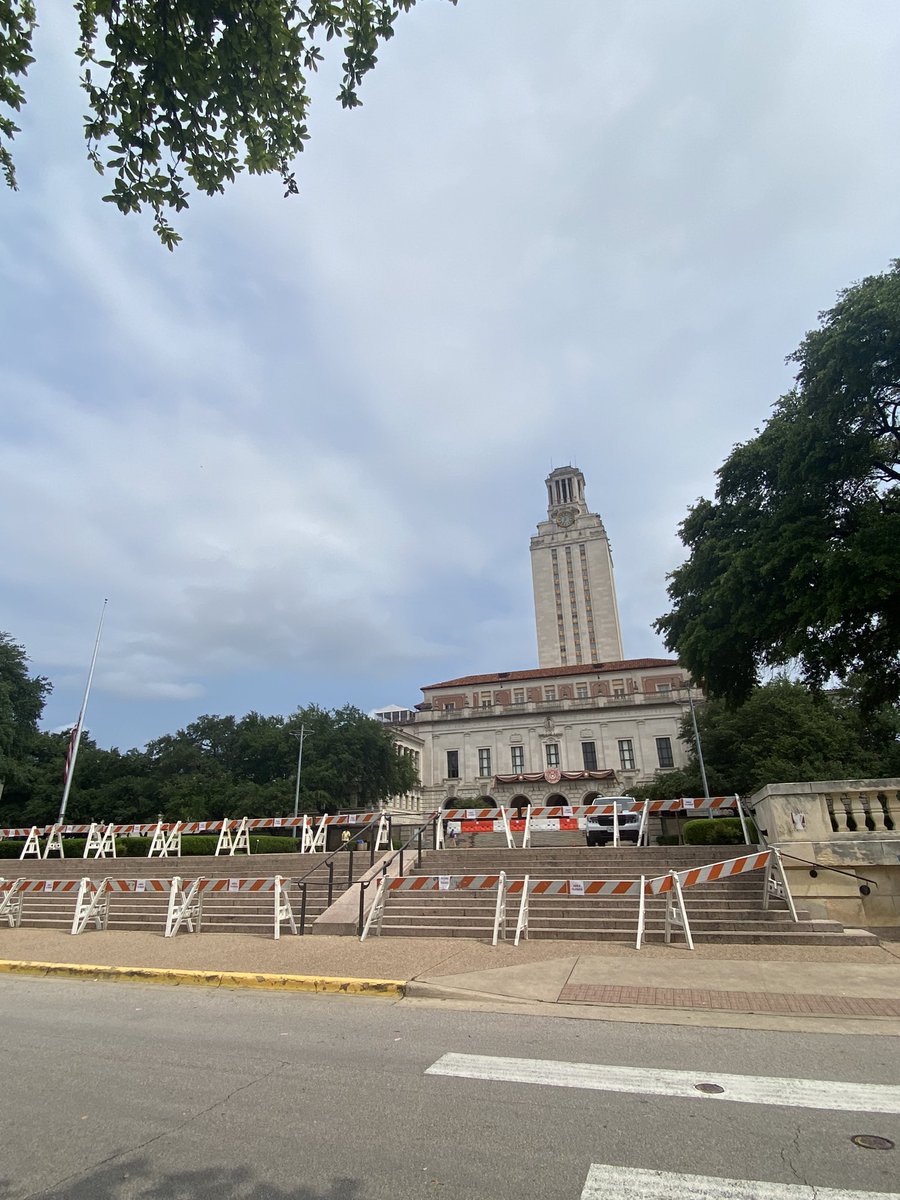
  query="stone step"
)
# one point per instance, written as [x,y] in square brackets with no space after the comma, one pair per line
[798,936]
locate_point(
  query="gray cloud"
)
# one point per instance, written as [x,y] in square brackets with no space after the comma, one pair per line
[304,454]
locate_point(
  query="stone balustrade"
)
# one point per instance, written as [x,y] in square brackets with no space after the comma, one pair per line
[850,825]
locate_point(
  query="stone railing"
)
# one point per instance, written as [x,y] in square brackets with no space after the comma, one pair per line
[841,839]
[834,811]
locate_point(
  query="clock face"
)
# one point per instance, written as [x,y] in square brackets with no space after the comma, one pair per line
[565,518]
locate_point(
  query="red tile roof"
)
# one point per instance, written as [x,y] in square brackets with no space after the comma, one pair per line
[584,669]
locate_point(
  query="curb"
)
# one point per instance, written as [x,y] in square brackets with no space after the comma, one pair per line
[227,979]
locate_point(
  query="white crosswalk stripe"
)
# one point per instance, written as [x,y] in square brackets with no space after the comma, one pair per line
[629,1183]
[650,1081]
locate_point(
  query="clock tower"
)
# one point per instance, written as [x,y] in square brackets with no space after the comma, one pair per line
[575,605]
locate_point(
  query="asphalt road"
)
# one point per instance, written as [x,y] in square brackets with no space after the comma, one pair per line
[113,1091]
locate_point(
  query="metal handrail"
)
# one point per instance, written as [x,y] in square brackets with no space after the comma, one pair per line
[328,862]
[817,867]
[432,819]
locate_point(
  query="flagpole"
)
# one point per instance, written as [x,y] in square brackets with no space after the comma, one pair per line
[70,760]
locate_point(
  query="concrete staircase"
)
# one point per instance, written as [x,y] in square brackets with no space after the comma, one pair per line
[728,911]
[239,912]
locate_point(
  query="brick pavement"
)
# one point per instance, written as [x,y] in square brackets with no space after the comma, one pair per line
[784,1003]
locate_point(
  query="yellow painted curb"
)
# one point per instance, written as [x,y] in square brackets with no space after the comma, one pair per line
[227,979]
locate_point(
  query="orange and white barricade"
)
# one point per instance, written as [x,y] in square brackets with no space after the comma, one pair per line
[13,895]
[672,886]
[100,841]
[236,841]
[186,902]
[92,905]
[701,804]
[553,818]
[478,820]
[439,883]
[11,901]
[528,887]
[166,841]
[94,898]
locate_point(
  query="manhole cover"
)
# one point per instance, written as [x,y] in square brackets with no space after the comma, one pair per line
[709,1088]
[871,1141]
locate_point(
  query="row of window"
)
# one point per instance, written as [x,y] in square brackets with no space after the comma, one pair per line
[582,692]
[551,754]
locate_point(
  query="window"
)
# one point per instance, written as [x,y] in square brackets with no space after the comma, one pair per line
[552,751]
[485,699]
[589,754]
[518,695]
[484,762]
[664,752]
[626,754]
[549,693]
[664,687]
[517,754]
[453,764]
[449,706]
[581,691]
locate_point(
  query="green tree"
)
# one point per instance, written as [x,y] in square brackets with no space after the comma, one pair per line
[188,93]
[22,699]
[798,558]
[783,734]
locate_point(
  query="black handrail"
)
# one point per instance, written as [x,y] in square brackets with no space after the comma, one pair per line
[817,867]
[328,861]
[432,820]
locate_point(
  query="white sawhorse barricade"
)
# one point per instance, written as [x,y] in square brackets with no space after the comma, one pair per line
[32,847]
[234,837]
[166,840]
[11,901]
[101,841]
[775,886]
[186,901]
[439,883]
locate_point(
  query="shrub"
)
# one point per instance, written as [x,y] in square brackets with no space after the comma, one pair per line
[715,831]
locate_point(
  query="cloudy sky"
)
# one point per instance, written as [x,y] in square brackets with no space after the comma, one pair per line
[304,454]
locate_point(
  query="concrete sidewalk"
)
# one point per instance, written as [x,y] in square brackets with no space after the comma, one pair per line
[826,989]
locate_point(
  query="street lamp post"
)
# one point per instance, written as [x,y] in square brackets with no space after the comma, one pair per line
[301,735]
[697,744]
